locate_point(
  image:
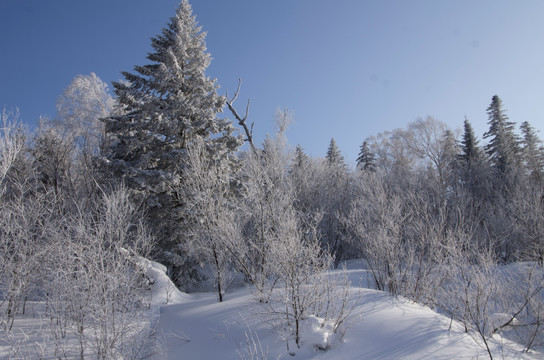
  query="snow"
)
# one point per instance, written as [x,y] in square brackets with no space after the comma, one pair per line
[197,326]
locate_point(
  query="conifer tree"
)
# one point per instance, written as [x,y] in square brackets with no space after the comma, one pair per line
[448,156]
[503,146]
[533,152]
[302,176]
[301,158]
[334,156]
[366,160]
[470,151]
[164,107]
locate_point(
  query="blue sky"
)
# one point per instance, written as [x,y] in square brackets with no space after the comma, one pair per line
[347,69]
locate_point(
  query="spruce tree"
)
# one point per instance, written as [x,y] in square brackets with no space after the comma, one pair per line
[334,156]
[300,176]
[503,146]
[164,106]
[533,152]
[366,160]
[470,151]
[301,159]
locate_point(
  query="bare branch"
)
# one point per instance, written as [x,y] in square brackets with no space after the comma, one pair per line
[241,120]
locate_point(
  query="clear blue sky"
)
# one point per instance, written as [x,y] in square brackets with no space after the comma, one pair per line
[347,69]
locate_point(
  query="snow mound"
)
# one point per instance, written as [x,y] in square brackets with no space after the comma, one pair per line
[163,290]
[319,334]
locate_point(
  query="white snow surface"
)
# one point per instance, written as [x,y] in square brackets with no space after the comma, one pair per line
[197,326]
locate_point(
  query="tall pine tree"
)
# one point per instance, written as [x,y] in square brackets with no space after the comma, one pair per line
[470,151]
[165,106]
[503,147]
[471,165]
[366,160]
[533,152]
[301,159]
[334,156]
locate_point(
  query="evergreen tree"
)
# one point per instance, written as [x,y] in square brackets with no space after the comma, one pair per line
[301,159]
[470,151]
[164,107]
[448,156]
[366,160]
[533,152]
[302,175]
[334,156]
[52,156]
[334,195]
[472,167]
[503,147]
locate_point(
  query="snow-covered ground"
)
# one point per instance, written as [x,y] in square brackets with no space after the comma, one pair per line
[197,326]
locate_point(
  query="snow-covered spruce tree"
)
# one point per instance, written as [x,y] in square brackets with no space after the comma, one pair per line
[504,154]
[334,196]
[470,162]
[470,151]
[532,151]
[53,160]
[164,106]
[366,160]
[301,159]
[503,147]
[334,156]
[304,176]
[298,169]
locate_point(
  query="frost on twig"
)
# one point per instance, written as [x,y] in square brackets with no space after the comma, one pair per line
[241,120]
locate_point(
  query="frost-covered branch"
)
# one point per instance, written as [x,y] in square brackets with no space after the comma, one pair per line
[241,120]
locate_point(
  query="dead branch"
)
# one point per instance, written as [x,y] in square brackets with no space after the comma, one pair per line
[241,120]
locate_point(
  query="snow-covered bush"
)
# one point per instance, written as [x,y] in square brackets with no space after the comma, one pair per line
[25,226]
[302,289]
[12,145]
[209,192]
[488,298]
[82,271]
[96,287]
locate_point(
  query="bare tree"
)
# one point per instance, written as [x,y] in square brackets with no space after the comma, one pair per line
[242,120]
[303,287]
[12,145]
[97,288]
[23,248]
[433,144]
[268,196]
[392,156]
[375,222]
[80,108]
[210,191]
[526,207]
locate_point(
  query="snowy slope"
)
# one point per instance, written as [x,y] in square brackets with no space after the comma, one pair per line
[196,326]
